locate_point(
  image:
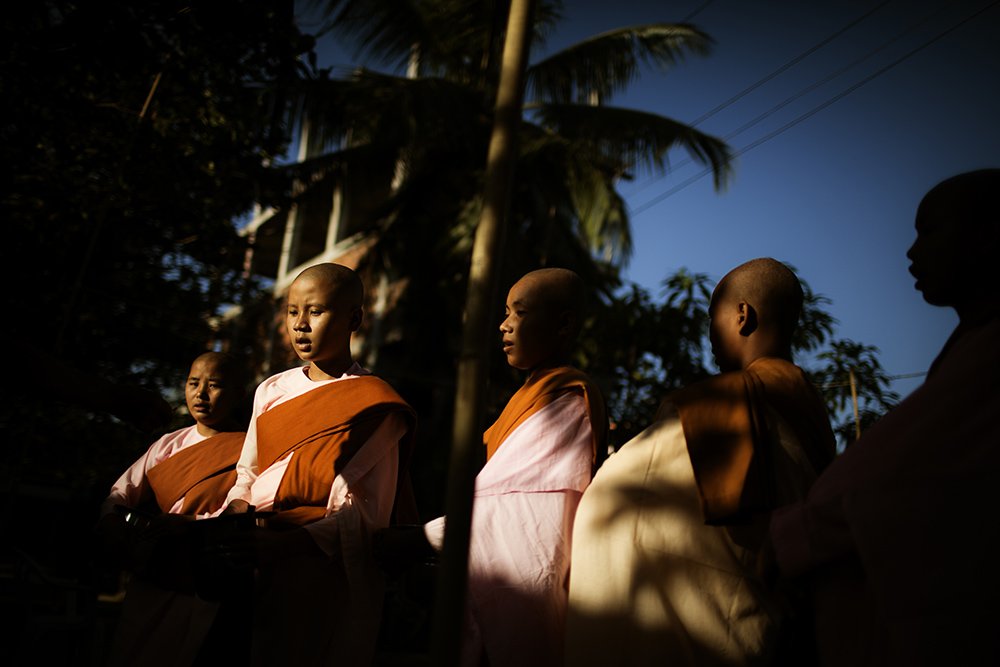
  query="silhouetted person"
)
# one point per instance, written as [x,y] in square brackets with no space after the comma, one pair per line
[897,539]
[540,454]
[667,537]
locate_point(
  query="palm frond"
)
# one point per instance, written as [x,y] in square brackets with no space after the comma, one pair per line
[459,37]
[369,107]
[384,31]
[636,138]
[593,70]
[578,182]
[368,158]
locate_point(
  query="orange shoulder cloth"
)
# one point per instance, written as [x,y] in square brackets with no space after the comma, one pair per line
[728,433]
[326,427]
[202,474]
[542,389]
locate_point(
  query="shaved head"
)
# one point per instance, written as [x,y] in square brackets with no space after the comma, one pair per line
[233,369]
[337,280]
[771,288]
[559,289]
[545,311]
[958,238]
[973,196]
[324,307]
[214,387]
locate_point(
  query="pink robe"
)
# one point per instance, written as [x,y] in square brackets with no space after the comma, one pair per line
[525,500]
[323,608]
[158,626]
[132,487]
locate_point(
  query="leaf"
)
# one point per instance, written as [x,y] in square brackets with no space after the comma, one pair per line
[635,138]
[593,70]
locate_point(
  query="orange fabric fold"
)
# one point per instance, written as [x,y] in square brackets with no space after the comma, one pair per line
[729,434]
[202,474]
[325,428]
[541,390]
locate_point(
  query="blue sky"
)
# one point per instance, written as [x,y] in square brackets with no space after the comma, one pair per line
[834,195]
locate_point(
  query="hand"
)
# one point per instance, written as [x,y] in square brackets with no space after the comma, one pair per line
[396,548]
[236,507]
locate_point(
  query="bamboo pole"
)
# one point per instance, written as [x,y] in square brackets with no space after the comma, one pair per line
[468,425]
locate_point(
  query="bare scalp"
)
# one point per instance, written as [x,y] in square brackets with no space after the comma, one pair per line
[559,289]
[338,281]
[771,288]
[974,196]
[229,367]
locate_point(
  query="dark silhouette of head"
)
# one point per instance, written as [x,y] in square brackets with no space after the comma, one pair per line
[958,237]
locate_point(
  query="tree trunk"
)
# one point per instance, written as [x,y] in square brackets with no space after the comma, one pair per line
[468,426]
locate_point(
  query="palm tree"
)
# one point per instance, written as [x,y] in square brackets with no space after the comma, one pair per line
[855,386]
[406,147]
[430,126]
[417,138]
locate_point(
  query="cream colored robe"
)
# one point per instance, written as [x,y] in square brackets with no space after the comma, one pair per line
[650,583]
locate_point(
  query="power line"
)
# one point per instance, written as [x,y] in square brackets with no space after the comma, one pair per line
[790,63]
[759,83]
[697,11]
[833,76]
[808,114]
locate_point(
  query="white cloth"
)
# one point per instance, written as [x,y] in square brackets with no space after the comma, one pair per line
[525,499]
[133,487]
[322,609]
[651,583]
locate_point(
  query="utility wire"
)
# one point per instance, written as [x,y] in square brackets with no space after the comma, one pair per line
[808,114]
[790,63]
[696,12]
[833,76]
[759,83]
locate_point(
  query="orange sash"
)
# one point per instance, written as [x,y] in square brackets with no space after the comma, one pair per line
[202,474]
[728,433]
[325,428]
[541,390]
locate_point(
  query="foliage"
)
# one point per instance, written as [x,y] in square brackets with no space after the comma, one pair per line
[138,132]
[816,325]
[871,383]
[428,132]
[437,119]
[640,351]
